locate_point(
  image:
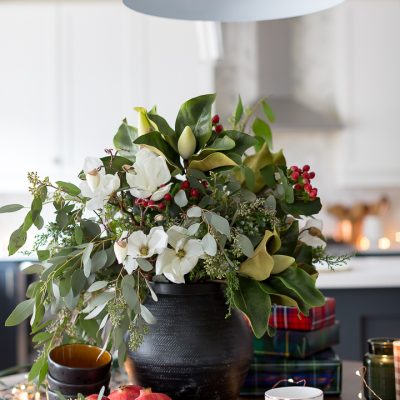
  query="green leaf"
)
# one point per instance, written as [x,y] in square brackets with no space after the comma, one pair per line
[268,175]
[255,303]
[209,244]
[36,208]
[43,254]
[268,111]
[11,208]
[96,311]
[65,286]
[246,245]
[289,193]
[212,161]
[68,188]
[144,264]
[36,367]
[99,260]
[17,240]
[39,222]
[238,111]
[156,142]
[289,239]
[180,199]
[95,286]
[262,130]
[21,312]
[166,131]
[196,113]
[124,138]
[42,337]
[62,219]
[194,212]
[78,281]
[86,261]
[128,291]
[28,221]
[78,233]
[249,177]
[90,230]
[220,224]
[224,143]
[299,207]
[242,140]
[33,269]
[116,164]
[147,315]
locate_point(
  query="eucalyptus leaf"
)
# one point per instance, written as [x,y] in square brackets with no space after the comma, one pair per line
[144,264]
[246,245]
[17,240]
[194,212]
[36,208]
[221,224]
[78,281]
[192,230]
[181,199]
[87,263]
[99,260]
[129,292]
[209,245]
[36,367]
[21,312]
[69,188]
[78,234]
[9,208]
[97,286]
[147,315]
[96,311]
[33,269]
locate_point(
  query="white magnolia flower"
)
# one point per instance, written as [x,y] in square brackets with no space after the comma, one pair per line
[121,248]
[149,177]
[141,245]
[177,262]
[98,186]
[310,232]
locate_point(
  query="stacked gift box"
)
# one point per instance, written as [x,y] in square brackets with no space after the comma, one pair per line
[300,351]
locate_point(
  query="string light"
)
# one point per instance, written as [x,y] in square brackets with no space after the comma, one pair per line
[290,380]
[362,376]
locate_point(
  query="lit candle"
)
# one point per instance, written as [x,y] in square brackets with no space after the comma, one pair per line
[384,243]
[364,244]
[346,230]
[397,237]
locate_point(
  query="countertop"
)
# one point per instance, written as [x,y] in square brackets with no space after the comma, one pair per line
[363,272]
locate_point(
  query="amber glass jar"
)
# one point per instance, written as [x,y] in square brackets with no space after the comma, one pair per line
[379,365]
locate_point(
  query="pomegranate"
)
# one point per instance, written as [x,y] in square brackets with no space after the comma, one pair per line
[147,394]
[128,392]
[94,396]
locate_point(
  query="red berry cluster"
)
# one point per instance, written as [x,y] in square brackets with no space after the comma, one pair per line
[301,179]
[193,192]
[160,206]
[218,128]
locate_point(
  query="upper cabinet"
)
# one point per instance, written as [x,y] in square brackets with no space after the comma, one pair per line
[71,71]
[369,47]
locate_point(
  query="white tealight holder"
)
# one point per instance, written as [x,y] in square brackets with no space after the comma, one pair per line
[294,393]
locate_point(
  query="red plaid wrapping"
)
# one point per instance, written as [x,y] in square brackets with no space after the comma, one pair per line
[288,317]
[396,353]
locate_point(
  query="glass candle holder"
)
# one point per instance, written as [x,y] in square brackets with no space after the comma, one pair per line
[379,364]
[294,393]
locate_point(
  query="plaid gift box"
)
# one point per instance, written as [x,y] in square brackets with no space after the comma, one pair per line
[297,344]
[323,370]
[289,318]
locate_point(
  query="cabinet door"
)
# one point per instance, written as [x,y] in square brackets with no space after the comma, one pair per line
[372,141]
[28,88]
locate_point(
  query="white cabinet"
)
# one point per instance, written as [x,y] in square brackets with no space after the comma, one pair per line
[370,49]
[70,71]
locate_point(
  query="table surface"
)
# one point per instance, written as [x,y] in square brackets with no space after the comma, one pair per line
[351,385]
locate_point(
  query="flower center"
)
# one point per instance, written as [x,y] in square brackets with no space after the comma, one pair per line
[144,251]
[181,253]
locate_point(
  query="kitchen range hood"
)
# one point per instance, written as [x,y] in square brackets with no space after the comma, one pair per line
[229,10]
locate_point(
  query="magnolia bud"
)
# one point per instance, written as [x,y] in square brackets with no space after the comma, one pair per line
[144,124]
[187,143]
[159,218]
[93,179]
[121,250]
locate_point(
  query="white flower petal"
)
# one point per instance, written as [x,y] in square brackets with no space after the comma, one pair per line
[175,234]
[157,240]
[93,180]
[130,264]
[85,189]
[121,251]
[108,184]
[165,261]
[193,248]
[95,203]
[92,163]
[136,241]
[310,240]
[314,223]
[160,193]
[187,264]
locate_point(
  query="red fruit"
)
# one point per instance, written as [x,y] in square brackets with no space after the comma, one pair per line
[145,203]
[305,175]
[168,197]
[185,185]
[313,193]
[215,119]
[128,392]
[194,193]
[307,187]
[294,168]
[295,176]
[306,168]
[219,129]
[151,203]
[161,206]
[305,181]
[205,184]
[147,394]
[297,186]
[95,396]
[138,202]
[312,175]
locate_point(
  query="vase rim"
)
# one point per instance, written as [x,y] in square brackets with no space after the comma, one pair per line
[187,289]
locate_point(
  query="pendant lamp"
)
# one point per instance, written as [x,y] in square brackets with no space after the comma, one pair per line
[229,10]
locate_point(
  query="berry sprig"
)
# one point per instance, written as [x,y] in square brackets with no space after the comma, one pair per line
[300,179]
[218,128]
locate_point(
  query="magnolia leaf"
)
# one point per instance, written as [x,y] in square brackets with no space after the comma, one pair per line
[220,224]
[212,161]
[306,208]
[128,291]
[196,113]
[289,193]
[144,264]
[21,312]
[192,230]
[166,131]
[224,143]
[147,315]
[11,208]
[209,245]
[242,140]
[181,199]
[246,245]
[262,130]
[238,111]
[94,287]
[255,303]
[249,177]
[123,140]
[194,212]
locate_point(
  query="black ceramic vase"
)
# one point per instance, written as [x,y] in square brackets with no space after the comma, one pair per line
[193,351]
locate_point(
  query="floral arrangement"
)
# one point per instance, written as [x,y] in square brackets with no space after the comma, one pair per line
[193,203]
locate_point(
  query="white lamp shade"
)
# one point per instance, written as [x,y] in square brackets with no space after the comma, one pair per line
[229,10]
